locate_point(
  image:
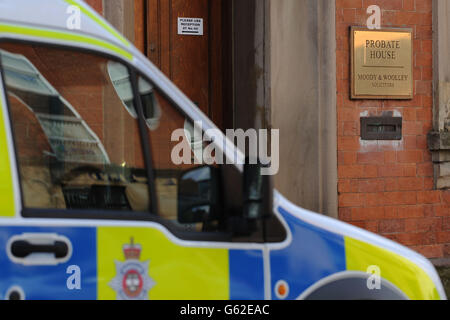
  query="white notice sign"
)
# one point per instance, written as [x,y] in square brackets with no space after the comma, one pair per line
[190,26]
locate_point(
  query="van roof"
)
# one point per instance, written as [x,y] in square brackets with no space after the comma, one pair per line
[56,15]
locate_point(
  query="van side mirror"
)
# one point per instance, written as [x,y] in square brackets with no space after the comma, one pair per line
[198,195]
[257,192]
[150,104]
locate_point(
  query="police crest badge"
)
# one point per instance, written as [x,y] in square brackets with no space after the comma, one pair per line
[132,281]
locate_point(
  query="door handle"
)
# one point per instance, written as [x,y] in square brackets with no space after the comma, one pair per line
[39,249]
[21,249]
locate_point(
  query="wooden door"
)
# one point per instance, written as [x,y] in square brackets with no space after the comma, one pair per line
[193,62]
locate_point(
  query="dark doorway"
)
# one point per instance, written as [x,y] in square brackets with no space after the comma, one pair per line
[222,71]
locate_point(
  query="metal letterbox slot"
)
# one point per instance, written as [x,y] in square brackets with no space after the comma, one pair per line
[381,128]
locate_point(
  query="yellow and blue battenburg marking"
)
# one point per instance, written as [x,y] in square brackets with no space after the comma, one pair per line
[157,269]
[179,272]
[315,254]
[143,263]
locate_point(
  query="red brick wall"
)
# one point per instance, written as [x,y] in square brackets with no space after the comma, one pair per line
[387,187]
[30,139]
[96,4]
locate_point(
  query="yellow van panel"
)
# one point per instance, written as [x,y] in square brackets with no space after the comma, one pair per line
[6,184]
[176,272]
[407,276]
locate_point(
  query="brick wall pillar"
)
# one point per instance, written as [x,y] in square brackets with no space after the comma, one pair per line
[388,187]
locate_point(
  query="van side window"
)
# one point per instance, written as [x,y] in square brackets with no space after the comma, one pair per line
[194,192]
[163,121]
[75,130]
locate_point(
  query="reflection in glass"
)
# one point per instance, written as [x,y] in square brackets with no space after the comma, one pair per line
[77,146]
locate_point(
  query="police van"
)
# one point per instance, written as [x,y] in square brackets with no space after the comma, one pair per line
[93,207]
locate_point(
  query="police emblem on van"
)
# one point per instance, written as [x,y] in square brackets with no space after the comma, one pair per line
[132,281]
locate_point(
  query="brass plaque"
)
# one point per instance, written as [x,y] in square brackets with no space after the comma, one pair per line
[381,62]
